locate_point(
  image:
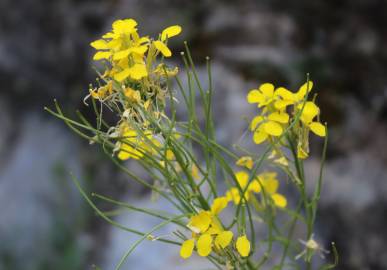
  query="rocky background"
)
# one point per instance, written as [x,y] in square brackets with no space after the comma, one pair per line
[44,54]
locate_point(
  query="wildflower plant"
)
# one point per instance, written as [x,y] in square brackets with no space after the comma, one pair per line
[203,180]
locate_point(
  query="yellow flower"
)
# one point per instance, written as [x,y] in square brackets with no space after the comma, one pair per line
[113,42]
[271,125]
[243,246]
[309,112]
[233,194]
[121,27]
[284,98]
[136,72]
[207,230]
[121,45]
[223,239]
[167,33]
[245,161]
[262,96]
[267,181]
[270,184]
[200,222]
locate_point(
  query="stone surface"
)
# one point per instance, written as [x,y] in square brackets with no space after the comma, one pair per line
[149,255]
[38,201]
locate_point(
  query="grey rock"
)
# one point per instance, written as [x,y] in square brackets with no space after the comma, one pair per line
[37,198]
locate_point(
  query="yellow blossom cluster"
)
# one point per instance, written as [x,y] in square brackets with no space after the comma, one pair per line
[265,183]
[278,106]
[133,74]
[208,234]
[133,82]
[130,54]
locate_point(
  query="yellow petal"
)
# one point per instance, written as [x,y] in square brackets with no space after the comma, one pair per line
[218,205]
[100,44]
[284,93]
[139,50]
[121,54]
[243,246]
[143,40]
[271,185]
[254,123]
[309,112]
[306,87]
[187,248]
[138,71]
[223,239]
[318,129]
[267,89]
[200,222]
[162,48]
[245,161]
[254,186]
[259,136]
[254,96]
[120,76]
[272,128]
[279,200]
[233,194]
[115,44]
[102,55]
[242,178]
[110,35]
[216,226]
[282,117]
[204,245]
[282,104]
[126,26]
[170,31]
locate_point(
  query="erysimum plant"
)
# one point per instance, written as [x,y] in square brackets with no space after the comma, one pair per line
[190,169]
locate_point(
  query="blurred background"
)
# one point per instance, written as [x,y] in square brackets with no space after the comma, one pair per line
[45,54]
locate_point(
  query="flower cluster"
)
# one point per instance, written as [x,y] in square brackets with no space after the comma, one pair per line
[129,55]
[133,82]
[278,107]
[265,184]
[132,74]
[208,234]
